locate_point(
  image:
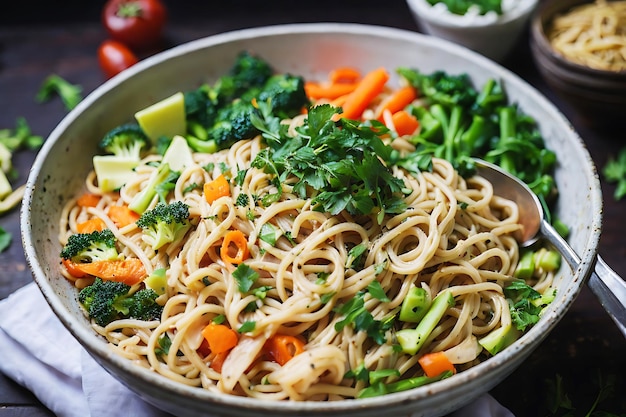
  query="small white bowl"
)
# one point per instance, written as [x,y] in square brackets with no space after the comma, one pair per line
[491,35]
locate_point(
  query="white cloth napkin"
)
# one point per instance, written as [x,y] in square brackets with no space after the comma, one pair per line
[40,354]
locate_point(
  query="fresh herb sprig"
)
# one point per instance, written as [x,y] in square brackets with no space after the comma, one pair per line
[614,171]
[344,161]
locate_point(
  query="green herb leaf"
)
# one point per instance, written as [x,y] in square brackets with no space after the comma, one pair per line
[70,94]
[614,171]
[5,239]
[245,277]
[247,326]
[376,290]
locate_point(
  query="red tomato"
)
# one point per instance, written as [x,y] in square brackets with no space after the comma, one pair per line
[136,23]
[114,57]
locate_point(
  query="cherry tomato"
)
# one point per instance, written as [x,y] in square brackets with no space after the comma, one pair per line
[114,57]
[136,23]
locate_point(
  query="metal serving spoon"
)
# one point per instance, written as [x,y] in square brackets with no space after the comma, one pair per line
[609,287]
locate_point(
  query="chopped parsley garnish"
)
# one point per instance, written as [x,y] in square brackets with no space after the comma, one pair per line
[345,161]
[245,277]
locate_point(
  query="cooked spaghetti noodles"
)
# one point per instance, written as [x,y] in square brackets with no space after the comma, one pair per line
[592,35]
[455,235]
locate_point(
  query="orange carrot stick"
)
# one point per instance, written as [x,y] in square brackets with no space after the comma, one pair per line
[217,188]
[122,215]
[396,101]
[88,200]
[405,123]
[129,271]
[239,240]
[344,75]
[316,91]
[282,348]
[435,364]
[220,337]
[369,87]
[72,270]
[91,225]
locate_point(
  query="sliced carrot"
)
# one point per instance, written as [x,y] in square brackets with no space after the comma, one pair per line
[72,270]
[129,271]
[318,91]
[344,75]
[370,86]
[339,101]
[237,239]
[396,101]
[91,225]
[218,361]
[122,215]
[220,337]
[435,364]
[217,188]
[88,200]
[282,347]
[405,123]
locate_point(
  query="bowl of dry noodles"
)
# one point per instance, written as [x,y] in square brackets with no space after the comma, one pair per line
[579,47]
[284,220]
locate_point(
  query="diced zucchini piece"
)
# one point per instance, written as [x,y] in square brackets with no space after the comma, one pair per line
[157,281]
[178,154]
[113,171]
[415,305]
[500,338]
[411,340]
[165,118]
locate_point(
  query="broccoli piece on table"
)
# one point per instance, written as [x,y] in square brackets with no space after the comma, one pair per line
[165,223]
[286,94]
[126,141]
[90,247]
[106,301]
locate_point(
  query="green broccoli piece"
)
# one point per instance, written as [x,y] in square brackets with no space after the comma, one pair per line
[165,223]
[233,123]
[441,87]
[286,94]
[248,71]
[90,247]
[106,301]
[201,105]
[126,141]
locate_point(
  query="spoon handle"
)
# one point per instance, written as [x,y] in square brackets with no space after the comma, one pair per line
[608,287]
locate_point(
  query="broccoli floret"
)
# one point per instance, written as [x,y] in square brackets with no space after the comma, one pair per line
[441,87]
[165,223]
[127,140]
[286,94]
[201,105]
[248,71]
[90,247]
[106,301]
[233,123]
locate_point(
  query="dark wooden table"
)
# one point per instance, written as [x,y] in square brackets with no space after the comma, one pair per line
[62,37]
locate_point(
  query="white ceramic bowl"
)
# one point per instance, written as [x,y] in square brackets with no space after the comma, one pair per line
[310,50]
[491,35]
